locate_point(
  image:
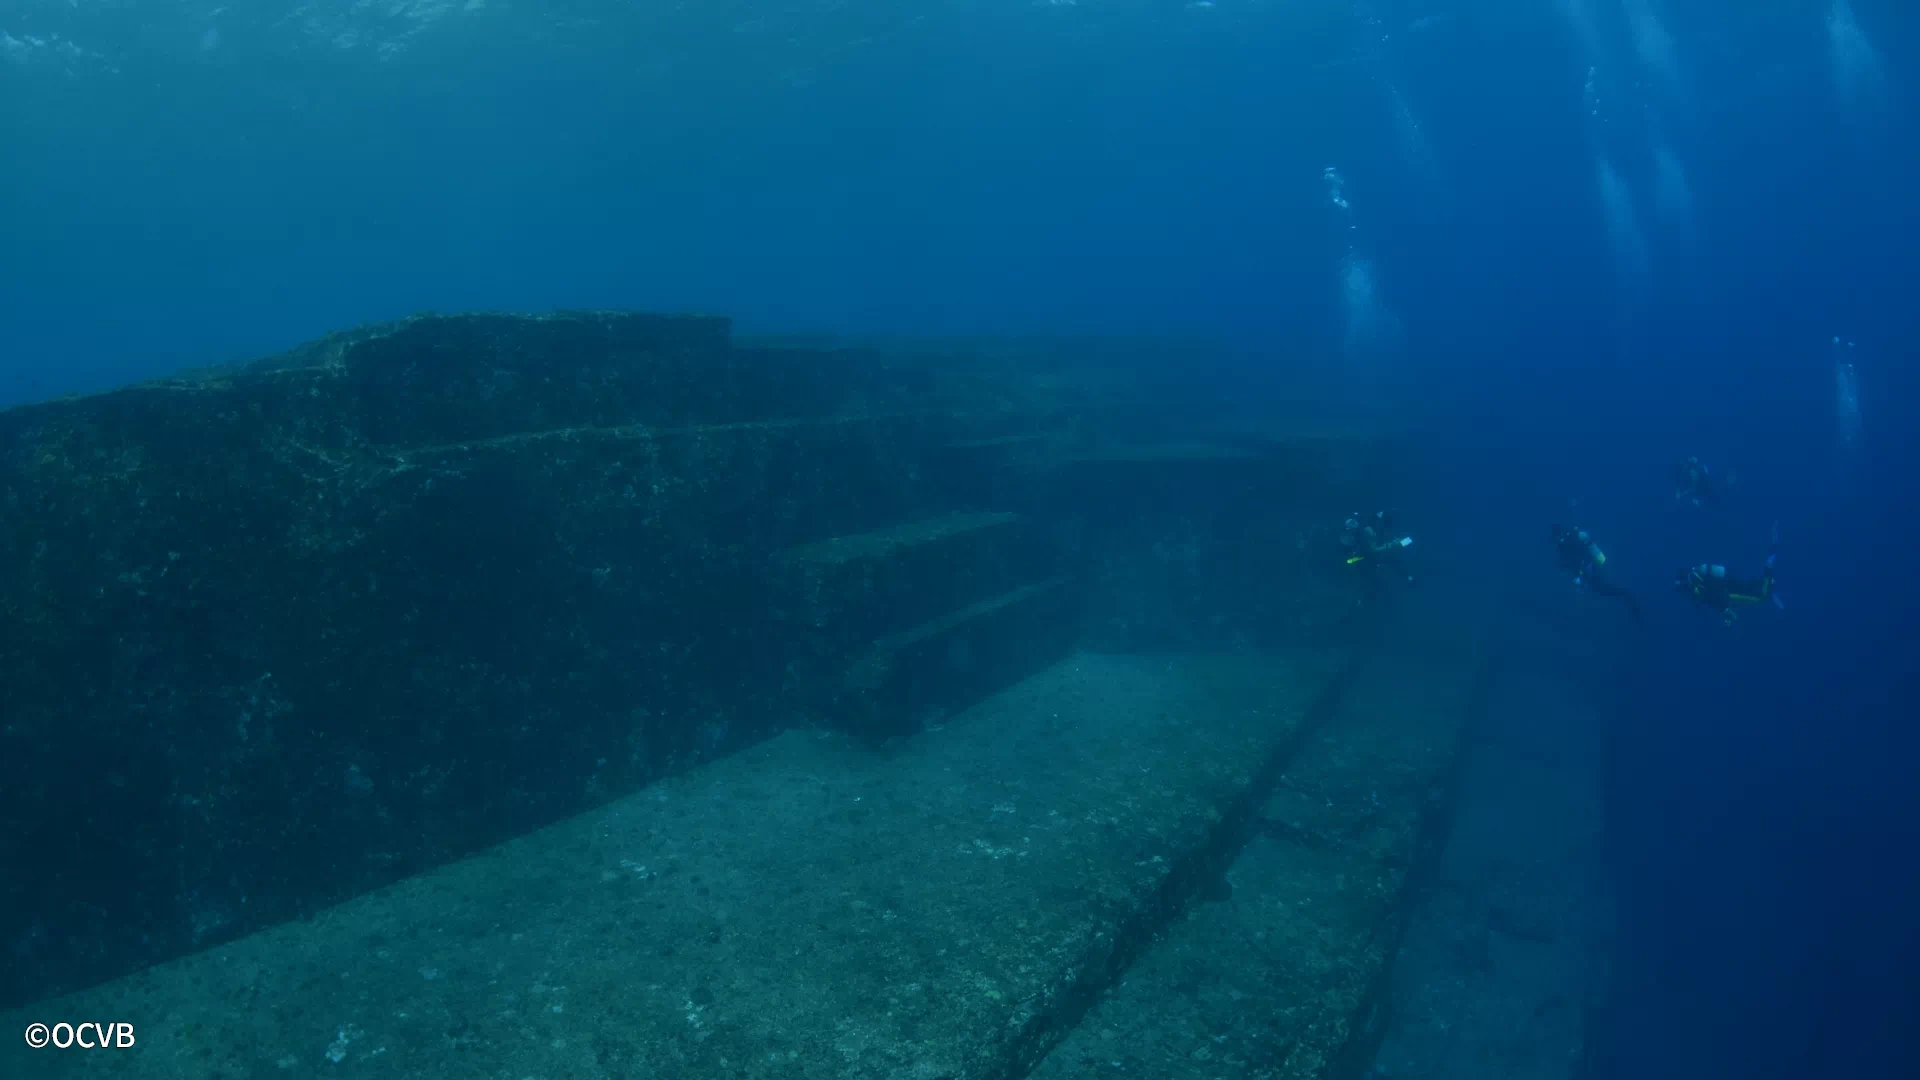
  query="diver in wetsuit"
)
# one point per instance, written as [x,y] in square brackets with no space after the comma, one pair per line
[1582,559]
[1713,588]
[1696,485]
[1374,541]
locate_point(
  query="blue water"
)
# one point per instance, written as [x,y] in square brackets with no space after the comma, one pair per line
[1607,234]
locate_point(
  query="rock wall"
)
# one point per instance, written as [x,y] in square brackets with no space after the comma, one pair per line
[275,636]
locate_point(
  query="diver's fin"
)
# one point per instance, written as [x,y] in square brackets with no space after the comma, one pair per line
[1779,603]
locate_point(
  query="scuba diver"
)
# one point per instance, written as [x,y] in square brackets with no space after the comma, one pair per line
[1373,541]
[1583,559]
[1712,588]
[1696,485]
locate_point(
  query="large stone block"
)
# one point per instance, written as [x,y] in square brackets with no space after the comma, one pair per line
[803,909]
[275,636]
[278,635]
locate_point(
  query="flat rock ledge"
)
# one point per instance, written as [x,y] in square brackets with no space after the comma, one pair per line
[806,908]
[1282,969]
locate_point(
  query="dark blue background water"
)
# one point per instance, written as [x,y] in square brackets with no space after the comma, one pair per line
[1143,166]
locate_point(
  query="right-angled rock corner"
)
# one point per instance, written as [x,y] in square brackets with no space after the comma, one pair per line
[596,696]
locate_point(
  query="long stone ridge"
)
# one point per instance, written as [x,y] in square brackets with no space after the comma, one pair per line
[1280,971]
[801,909]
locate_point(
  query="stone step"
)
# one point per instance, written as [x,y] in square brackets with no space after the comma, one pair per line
[1506,959]
[879,544]
[833,381]
[1281,972]
[1021,441]
[917,678]
[435,380]
[1048,460]
[1147,455]
[1112,482]
[468,377]
[801,909]
[358,662]
[859,587]
[764,487]
[1002,469]
[1308,470]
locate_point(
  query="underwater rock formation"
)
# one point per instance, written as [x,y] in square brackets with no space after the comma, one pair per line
[275,636]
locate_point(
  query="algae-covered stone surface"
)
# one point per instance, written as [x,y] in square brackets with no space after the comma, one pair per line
[1279,969]
[805,908]
[595,695]
[277,635]
[401,594]
[1507,955]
